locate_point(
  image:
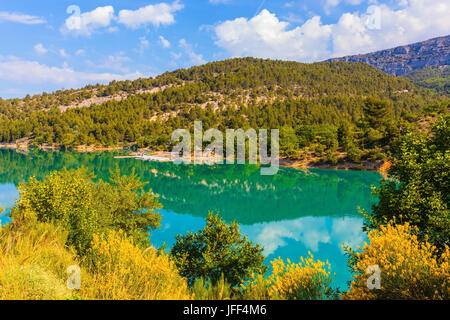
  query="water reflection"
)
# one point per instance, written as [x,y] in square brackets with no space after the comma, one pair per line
[290,213]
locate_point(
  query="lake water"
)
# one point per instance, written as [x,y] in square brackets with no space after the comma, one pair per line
[290,213]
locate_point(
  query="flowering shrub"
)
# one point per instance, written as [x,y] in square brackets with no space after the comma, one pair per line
[121,270]
[307,280]
[410,269]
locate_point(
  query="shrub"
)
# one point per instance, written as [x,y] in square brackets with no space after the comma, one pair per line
[307,280]
[73,200]
[419,186]
[410,269]
[216,250]
[354,154]
[206,290]
[120,270]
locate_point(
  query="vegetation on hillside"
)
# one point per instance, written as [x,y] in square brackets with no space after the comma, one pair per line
[322,109]
[56,225]
[434,77]
[69,218]
[418,188]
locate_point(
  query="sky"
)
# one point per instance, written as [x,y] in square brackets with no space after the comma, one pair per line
[50,45]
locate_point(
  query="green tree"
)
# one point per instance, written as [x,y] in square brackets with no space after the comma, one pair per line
[288,141]
[419,188]
[217,250]
[376,112]
[75,201]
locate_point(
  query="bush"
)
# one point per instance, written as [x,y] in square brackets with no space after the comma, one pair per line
[307,280]
[354,154]
[419,186]
[73,200]
[216,250]
[206,290]
[410,269]
[120,270]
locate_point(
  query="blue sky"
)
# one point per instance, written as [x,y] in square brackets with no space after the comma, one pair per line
[45,48]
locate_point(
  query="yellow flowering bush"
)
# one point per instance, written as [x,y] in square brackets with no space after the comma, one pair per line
[306,280]
[409,269]
[121,270]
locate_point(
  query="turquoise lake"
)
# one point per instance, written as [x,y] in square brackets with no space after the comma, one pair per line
[290,213]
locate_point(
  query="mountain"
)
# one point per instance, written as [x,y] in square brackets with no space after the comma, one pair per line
[319,107]
[404,59]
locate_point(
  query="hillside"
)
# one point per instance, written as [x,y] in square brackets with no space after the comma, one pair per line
[434,77]
[309,102]
[405,59]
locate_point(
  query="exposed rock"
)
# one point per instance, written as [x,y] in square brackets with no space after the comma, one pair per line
[404,59]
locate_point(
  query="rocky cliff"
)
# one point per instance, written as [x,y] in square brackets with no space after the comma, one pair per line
[404,59]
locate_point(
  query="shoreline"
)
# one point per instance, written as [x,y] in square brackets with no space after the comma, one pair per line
[381,166]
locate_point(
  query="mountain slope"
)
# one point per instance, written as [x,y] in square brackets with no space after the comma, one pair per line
[404,59]
[264,78]
[327,108]
[434,77]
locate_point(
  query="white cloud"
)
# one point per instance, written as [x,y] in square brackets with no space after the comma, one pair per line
[40,49]
[63,53]
[103,17]
[31,72]
[80,52]
[265,36]
[143,44]
[418,20]
[116,63]
[20,18]
[334,3]
[194,58]
[312,232]
[164,42]
[158,14]
[175,56]
[88,22]
[218,1]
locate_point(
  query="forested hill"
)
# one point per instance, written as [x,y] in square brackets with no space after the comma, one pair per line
[404,59]
[263,77]
[306,100]
[434,77]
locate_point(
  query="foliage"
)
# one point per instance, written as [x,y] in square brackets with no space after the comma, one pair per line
[73,200]
[120,270]
[433,77]
[217,250]
[236,93]
[418,189]
[33,262]
[307,280]
[219,290]
[410,269]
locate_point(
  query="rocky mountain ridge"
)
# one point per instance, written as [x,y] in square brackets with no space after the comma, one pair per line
[404,59]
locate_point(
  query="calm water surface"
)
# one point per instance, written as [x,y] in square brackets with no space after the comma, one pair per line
[290,213]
